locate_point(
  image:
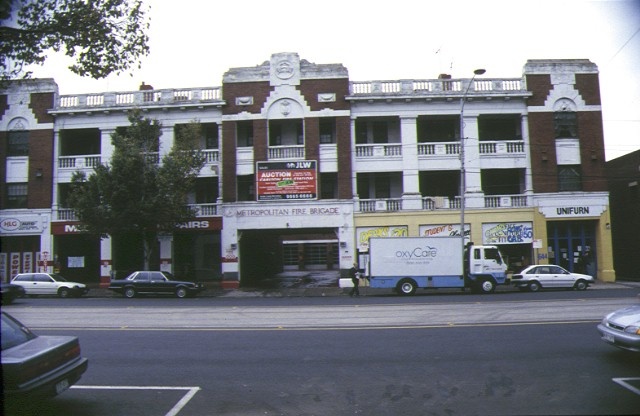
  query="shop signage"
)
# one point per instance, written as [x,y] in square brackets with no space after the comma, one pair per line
[444,230]
[569,211]
[507,233]
[202,223]
[365,233]
[310,211]
[287,181]
[21,224]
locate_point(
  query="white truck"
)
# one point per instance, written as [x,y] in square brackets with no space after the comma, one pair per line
[408,263]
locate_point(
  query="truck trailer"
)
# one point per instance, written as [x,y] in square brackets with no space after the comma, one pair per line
[408,263]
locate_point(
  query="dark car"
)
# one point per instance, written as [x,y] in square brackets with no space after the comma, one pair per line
[36,366]
[157,283]
[11,292]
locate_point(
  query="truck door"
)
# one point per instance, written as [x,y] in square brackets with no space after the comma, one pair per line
[492,260]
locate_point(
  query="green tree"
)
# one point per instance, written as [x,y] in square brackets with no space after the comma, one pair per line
[102,36]
[136,191]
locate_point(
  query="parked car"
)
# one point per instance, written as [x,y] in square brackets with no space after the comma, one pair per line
[156,283]
[37,366]
[49,284]
[549,276]
[11,292]
[622,328]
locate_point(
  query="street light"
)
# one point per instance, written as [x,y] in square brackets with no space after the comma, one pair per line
[462,167]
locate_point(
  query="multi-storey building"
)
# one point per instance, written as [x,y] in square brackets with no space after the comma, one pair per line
[304,165]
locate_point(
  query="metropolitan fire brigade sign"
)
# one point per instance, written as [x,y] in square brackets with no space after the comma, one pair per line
[277,181]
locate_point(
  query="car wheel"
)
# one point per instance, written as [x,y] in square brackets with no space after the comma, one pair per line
[181,292]
[581,285]
[407,287]
[534,287]
[487,286]
[64,292]
[129,292]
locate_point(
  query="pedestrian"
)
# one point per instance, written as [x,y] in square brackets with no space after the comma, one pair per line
[354,273]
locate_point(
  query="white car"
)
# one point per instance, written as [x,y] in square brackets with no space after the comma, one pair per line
[622,328]
[549,276]
[48,284]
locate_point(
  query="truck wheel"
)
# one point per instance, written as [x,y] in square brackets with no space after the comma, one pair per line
[407,287]
[487,286]
[129,292]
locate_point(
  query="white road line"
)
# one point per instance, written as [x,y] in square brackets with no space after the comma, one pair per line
[623,383]
[190,392]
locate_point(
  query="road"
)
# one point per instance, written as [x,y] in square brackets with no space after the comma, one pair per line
[511,354]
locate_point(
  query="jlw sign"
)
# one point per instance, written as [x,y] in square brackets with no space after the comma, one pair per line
[276,181]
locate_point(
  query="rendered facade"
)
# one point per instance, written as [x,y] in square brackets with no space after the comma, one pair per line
[304,165]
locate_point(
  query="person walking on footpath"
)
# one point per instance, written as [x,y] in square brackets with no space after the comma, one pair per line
[355,279]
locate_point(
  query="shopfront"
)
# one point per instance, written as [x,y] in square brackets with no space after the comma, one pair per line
[25,244]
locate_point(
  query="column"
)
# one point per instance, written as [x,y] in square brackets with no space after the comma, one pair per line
[106,262]
[474,196]
[411,197]
[528,177]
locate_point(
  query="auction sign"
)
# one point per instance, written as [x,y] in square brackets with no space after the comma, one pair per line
[277,181]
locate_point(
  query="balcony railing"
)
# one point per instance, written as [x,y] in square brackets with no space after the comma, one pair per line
[378,150]
[177,97]
[434,87]
[205,210]
[506,201]
[381,205]
[502,147]
[286,152]
[79,162]
[211,155]
[66,214]
[438,149]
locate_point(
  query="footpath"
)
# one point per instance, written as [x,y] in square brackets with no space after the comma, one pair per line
[213,289]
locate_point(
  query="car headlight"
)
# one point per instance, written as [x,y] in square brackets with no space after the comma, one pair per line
[632,329]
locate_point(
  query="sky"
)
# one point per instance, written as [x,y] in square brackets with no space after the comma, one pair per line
[194,42]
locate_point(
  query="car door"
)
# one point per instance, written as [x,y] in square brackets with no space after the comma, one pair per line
[141,282]
[26,281]
[542,275]
[159,283]
[44,285]
[560,277]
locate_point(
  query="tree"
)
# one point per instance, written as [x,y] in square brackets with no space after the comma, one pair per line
[136,192]
[103,36]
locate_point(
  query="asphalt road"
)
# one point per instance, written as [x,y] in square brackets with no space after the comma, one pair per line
[432,355]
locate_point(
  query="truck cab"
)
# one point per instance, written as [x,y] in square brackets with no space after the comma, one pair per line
[484,267]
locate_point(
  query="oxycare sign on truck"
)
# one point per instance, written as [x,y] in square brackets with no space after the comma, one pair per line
[408,263]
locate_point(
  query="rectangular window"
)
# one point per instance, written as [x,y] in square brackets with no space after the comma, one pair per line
[569,178]
[327,130]
[16,195]
[565,124]
[18,143]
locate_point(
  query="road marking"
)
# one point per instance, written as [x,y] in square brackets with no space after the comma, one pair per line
[623,383]
[190,392]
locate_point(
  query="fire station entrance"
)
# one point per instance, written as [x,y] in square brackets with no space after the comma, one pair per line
[268,256]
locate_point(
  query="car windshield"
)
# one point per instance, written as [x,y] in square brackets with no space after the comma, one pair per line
[14,333]
[58,278]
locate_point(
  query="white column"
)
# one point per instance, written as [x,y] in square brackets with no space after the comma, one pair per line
[106,261]
[528,179]
[106,147]
[411,198]
[473,183]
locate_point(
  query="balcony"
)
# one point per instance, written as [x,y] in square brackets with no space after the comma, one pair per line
[205,210]
[380,205]
[433,203]
[79,162]
[511,147]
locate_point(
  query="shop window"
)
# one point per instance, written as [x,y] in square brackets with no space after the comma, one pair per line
[18,143]
[16,195]
[569,178]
